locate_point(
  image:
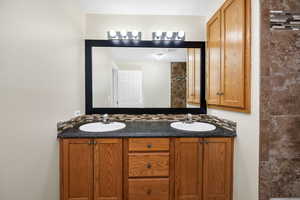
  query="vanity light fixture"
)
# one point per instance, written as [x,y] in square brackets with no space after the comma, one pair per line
[177,36]
[124,35]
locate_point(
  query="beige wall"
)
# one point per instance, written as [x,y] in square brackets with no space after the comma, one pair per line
[103,64]
[156,82]
[97,25]
[41,82]
[247,142]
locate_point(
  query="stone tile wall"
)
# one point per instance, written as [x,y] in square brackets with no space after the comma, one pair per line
[280,106]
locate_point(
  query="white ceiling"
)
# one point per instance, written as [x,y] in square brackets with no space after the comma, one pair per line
[120,54]
[151,7]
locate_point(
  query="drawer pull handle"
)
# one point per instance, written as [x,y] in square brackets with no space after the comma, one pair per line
[149,146]
[149,191]
[149,165]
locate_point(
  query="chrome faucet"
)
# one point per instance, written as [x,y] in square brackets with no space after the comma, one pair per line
[105,119]
[189,118]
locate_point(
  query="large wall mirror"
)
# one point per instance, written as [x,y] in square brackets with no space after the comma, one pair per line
[145,77]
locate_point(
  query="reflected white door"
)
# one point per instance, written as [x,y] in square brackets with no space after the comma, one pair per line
[130,89]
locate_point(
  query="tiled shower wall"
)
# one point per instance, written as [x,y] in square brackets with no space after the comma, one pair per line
[280,106]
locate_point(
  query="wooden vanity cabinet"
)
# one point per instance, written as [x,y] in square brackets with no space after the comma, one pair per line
[91,169]
[228,57]
[146,169]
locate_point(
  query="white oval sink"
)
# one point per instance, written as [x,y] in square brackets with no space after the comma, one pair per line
[101,127]
[194,126]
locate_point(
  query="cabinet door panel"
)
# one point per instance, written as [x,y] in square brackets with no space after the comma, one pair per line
[217,173]
[77,169]
[197,76]
[191,76]
[213,59]
[188,169]
[108,169]
[233,53]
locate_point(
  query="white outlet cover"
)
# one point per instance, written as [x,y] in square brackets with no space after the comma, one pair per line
[77,113]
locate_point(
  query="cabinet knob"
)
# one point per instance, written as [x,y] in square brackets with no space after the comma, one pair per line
[149,165]
[149,146]
[149,191]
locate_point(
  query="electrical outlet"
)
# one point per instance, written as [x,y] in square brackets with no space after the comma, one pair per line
[77,113]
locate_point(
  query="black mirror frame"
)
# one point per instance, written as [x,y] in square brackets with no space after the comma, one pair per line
[89,44]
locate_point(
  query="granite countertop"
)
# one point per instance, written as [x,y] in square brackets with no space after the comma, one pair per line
[148,128]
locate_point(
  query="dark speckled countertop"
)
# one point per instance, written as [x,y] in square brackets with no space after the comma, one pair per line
[146,129]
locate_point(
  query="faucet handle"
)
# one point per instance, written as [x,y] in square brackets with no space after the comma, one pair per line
[189,118]
[105,118]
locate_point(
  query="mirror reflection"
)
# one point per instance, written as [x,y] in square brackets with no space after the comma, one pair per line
[125,77]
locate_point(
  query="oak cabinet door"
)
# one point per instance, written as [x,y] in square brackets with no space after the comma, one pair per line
[197,76]
[108,169]
[233,53]
[213,71]
[217,169]
[191,76]
[188,169]
[77,169]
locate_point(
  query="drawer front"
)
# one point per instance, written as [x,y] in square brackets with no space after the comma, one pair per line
[148,189]
[149,144]
[148,164]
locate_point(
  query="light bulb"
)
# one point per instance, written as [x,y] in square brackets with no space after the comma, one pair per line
[135,33]
[181,34]
[169,34]
[112,33]
[158,33]
[124,33]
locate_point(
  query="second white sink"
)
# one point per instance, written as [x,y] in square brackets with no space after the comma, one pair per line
[102,127]
[194,126]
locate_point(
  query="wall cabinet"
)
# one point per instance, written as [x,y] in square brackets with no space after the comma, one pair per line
[228,57]
[193,76]
[146,169]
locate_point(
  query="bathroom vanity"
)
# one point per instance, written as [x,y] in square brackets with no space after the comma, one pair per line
[146,160]
[149,157]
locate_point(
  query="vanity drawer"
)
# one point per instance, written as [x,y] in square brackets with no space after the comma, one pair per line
[148,189]
[148,165]
[149,144]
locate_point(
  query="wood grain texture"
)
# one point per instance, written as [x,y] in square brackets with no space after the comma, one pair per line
[197,76]
[191,75]
[149,189]
[233,53]
[125,168]
[148,164]
[108,169]
[172,169]
[213,68]
[148,144]
[77,168]
[188,168]
[235,84]
[217,169]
